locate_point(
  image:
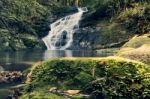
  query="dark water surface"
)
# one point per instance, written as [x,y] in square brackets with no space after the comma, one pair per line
[10,61]
[21,60]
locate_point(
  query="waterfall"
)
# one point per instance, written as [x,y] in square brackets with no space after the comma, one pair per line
[61,35]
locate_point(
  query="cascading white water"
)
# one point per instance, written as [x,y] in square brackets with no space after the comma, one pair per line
[61,34]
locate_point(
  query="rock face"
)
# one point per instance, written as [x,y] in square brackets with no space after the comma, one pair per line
[86,38]
[93,38]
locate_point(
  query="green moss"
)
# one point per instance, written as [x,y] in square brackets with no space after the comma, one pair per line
[40,95]
[137,49]
[101,77]
[138,41]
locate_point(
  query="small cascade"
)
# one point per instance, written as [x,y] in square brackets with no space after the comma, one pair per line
[61,35]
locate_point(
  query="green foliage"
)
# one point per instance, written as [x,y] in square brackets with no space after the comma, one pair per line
[136,19]
[19,17]
[122,80]
[131,16]
[102,78]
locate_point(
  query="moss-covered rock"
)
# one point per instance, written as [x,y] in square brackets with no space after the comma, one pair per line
[138,41]
[111,77]
[138,48]
[38,94]
[141,54]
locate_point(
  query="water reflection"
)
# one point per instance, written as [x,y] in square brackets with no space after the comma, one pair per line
[56,54]
[68,53]
[33,56]
[22,59]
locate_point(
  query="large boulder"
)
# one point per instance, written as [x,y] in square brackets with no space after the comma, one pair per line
[138,48]
[102,78]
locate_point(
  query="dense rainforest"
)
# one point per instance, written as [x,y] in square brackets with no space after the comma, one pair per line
[24,22]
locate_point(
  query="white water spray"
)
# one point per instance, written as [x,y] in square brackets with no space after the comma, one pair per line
[61,34]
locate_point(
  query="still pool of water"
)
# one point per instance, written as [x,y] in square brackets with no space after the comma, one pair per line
[21,60]
[10,61]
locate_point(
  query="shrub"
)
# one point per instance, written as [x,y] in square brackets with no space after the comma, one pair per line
[136,18]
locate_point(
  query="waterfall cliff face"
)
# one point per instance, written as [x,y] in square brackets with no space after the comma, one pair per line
[61,35]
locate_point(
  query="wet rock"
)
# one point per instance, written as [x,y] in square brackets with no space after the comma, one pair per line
[86,38]
[10,77]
